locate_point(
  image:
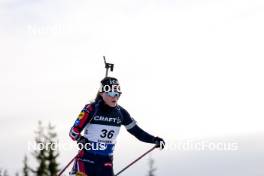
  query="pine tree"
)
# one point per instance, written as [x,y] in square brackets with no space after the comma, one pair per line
[5,173]
[52,152]
[26,167]
[46,153]
[151,167]
[40,155]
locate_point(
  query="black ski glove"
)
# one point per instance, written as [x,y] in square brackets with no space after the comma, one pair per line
[160,143]
[83,143]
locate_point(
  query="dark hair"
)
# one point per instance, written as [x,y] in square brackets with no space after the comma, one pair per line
[105,81]
[98,97]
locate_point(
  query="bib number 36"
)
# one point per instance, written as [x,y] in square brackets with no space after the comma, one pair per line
[108,134]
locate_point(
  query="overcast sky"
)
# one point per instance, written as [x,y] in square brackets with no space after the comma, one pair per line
[188,70]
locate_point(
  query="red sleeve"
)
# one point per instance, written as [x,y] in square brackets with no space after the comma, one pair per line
[83,118]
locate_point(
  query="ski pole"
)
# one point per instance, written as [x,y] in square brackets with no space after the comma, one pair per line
[133,162]
[60,173]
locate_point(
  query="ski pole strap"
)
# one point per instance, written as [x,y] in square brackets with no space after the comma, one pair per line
[135,160]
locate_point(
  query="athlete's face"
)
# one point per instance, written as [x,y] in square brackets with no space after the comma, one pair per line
[110,99]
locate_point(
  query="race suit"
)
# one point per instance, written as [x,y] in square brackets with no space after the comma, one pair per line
[101,125]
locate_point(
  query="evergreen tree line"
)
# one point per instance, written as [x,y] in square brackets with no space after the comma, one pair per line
[46,156]
[47,164]
[3,172]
